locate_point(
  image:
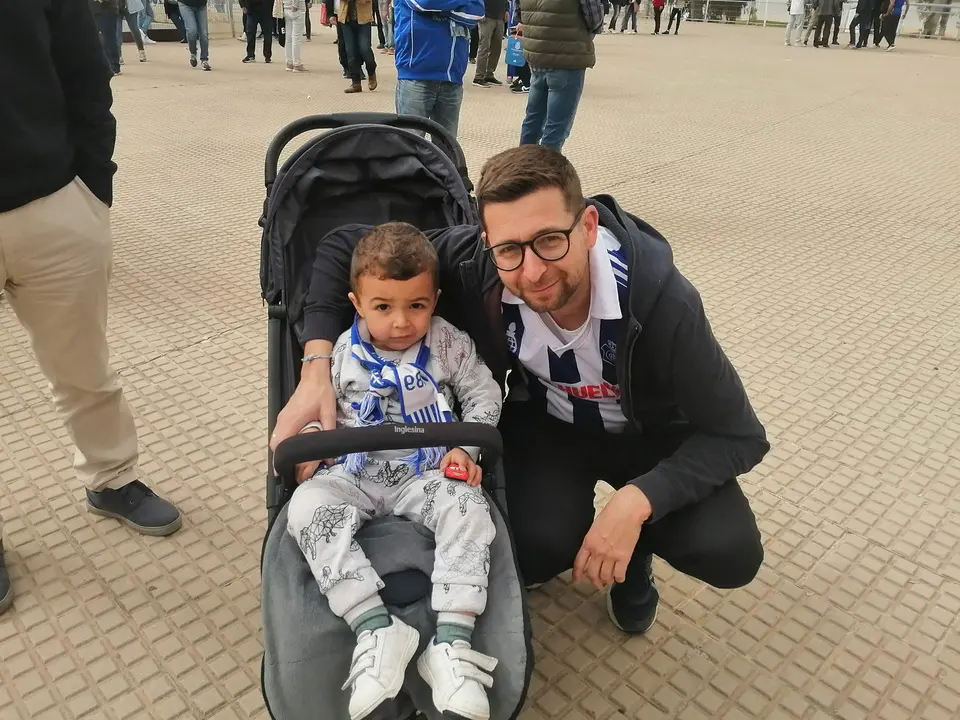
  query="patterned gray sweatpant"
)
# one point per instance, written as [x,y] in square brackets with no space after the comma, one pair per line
[327,510]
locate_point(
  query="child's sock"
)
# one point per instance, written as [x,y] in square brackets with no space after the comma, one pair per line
[454,626]
[371,614]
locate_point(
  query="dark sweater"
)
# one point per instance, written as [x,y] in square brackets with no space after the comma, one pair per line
[55,119]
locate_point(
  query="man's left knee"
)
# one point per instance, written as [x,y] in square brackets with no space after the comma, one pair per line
[734,563]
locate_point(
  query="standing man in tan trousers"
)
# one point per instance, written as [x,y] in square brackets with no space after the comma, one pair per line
[57,136]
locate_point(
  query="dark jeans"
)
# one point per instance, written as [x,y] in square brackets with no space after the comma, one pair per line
[551,107]
[342,49]
[550,469]
[356,37]
[474,42]
[173,12]
[890,23]
[878,22]
[259,16]
[107,25]
[866,22]
[614,16]
[678,14]
[523,75]
[657,12]
[306,22]
[379,20]
[822,34]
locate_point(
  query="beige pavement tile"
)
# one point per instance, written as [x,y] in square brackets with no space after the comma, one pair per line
[809,196]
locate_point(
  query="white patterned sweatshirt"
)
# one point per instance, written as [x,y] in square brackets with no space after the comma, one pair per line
[463,378]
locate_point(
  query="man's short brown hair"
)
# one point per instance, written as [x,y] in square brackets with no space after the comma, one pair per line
[523,170]
[393,251]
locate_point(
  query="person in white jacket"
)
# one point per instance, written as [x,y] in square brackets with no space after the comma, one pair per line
[794,21]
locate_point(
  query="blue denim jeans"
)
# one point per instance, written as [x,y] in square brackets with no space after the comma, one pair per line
[435,100]
[107,26]
[195,22]
[134,27]
[551,106]
[356,37]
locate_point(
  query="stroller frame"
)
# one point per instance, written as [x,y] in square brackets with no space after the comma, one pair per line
[284,363]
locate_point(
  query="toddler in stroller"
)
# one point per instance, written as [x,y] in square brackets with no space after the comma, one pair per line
[367,168]
[400,364]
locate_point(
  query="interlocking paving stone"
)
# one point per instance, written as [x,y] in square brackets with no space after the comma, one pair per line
[810,196]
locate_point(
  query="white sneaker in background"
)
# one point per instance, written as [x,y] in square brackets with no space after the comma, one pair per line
[379,663]
[457,674]
[147,40]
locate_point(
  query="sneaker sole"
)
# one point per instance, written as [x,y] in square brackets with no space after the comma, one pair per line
[161,531]
[429,680]
[6,602]
[613,618]
[413,642]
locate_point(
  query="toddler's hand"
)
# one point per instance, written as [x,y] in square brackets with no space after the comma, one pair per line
[462,460]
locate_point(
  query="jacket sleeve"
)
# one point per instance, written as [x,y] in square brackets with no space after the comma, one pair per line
[478,393]
[327,310]
[727,440]
[85,79]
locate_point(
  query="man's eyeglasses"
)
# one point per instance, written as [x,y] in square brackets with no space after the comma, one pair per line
[549,247]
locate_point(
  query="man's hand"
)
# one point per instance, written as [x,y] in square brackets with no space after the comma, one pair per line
[305,471]
[462,459]
[312,400]
[611,540]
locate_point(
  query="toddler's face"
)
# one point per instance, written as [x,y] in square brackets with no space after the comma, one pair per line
[397,312]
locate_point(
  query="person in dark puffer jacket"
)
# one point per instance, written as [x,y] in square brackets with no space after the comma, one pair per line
[558,45]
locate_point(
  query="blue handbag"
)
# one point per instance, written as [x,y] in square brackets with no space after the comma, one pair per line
[514,54]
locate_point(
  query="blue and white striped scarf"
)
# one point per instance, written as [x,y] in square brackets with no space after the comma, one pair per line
[406,380]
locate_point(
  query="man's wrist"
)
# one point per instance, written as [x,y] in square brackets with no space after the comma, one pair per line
[641,503]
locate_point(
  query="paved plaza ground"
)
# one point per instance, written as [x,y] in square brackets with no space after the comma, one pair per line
[813,199]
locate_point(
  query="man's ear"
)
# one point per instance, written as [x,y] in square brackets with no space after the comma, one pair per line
[356,303]
[591,222]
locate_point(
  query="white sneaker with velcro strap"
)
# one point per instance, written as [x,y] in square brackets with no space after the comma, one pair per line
[379,664]
[458,674]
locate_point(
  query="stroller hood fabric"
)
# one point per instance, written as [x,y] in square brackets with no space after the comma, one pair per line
[307,649]
[362,173]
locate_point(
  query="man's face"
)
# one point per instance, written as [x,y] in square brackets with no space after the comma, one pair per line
[545,286]
[397,312]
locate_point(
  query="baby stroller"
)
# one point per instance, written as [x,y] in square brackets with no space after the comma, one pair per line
[368,168]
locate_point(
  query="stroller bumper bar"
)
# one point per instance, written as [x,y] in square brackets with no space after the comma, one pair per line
[335,443]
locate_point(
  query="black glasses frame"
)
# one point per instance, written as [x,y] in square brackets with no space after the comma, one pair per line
[523,245]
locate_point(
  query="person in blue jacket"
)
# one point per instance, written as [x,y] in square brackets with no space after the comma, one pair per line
[432,40]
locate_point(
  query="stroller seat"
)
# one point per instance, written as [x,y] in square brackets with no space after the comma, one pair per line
[367,169]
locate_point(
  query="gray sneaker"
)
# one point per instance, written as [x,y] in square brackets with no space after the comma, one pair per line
[6,589]
[137,506]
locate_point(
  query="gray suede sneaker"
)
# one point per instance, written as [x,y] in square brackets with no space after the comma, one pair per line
[139,507]
[6,589]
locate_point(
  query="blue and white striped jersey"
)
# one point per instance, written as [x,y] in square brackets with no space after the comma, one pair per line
[574,372]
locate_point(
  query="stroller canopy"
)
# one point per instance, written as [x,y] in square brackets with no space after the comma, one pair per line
[368,174]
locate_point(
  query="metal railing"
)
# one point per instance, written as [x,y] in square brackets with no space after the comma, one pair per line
[939,20]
